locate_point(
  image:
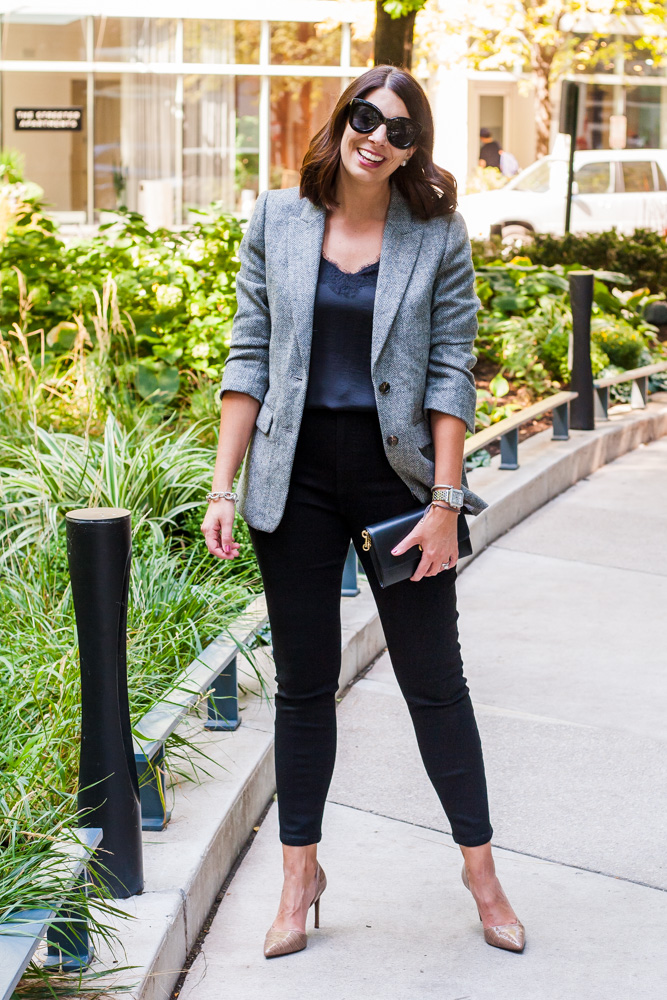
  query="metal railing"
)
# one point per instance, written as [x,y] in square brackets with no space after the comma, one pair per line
[639,393]
[508,429]
[213,671]
[66,935]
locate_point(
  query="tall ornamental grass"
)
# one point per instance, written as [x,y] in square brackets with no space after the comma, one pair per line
[180,599]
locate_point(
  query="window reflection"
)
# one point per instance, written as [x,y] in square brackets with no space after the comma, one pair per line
[60,37]
[135,142]
[221,41]
[305,44]
[637,176]
[643,110]
[598,100]
[221,141]
[299,109]
[135,39]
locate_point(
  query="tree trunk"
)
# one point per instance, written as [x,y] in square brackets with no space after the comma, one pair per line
[393,38]
[543,109]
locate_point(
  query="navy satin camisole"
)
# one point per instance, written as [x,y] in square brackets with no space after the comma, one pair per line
[340,358]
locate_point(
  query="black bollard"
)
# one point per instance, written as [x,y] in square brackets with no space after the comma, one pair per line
[581,298]
[99,547]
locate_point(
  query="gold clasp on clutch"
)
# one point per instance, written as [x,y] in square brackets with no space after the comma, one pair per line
[367,540]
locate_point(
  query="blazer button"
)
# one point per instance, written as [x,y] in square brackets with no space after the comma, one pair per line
[384,387]
[392,439]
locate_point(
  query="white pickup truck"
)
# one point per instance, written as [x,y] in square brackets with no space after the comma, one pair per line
[625,189]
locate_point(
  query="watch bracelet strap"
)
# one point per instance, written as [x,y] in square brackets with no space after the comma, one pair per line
[443,493]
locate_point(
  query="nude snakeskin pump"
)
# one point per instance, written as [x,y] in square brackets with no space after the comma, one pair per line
[511,937]
[285,942]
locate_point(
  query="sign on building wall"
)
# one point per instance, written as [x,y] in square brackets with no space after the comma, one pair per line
[48,119]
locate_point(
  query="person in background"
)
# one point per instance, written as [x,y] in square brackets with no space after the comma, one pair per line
[489,153]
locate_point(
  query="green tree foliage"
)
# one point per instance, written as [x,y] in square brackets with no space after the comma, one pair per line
[548,38]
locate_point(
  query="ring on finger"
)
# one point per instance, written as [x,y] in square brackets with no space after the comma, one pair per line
[445,565]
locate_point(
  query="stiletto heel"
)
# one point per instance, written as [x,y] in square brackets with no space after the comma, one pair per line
[510,937]
[286,942]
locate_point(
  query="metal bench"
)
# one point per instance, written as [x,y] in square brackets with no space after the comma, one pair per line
[214,670]
[66,933]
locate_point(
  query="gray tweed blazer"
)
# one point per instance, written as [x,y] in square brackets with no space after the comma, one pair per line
[424,325]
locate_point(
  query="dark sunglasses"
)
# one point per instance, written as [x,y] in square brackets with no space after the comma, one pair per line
[364,117]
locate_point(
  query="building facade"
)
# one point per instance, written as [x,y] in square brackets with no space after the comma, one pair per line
[112,105]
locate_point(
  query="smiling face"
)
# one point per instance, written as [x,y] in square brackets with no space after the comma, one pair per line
[371,159]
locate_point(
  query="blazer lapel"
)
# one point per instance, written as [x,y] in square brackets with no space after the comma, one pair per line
[306,234]
[400,249]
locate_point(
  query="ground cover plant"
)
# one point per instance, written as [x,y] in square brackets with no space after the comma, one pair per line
[525,328]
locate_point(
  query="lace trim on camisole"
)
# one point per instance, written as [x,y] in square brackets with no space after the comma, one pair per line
[346,283]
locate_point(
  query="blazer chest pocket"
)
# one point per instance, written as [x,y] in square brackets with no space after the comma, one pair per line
[264,418]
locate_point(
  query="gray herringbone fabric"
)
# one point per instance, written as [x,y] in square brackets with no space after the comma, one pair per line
[424,325]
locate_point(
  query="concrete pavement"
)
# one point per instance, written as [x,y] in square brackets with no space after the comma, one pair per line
[563,634]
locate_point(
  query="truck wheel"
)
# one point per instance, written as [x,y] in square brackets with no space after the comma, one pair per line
[513,233]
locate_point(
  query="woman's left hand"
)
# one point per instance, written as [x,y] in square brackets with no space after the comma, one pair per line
[437,535]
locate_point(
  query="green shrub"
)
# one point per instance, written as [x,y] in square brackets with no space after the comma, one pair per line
[622,344]
[642,256]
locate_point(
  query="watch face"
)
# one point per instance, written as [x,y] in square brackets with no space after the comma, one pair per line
[456,497]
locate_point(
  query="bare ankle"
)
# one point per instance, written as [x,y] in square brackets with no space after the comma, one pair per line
[299,862]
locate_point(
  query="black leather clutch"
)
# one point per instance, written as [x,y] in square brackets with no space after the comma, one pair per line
[379,539]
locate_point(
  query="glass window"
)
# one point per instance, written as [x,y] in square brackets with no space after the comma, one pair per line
[598,102]
[303,43]
[135,39]
[221,41]
[536,180]
[361,53]
[643,111]
[637,176]
[662,184]
[299,109]
[221,141]
[135,143]
[56,37]
[593,178]
[54,158]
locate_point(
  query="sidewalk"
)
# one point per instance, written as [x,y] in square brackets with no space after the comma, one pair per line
[562,628]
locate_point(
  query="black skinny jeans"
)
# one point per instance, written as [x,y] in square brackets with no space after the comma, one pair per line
[342,481]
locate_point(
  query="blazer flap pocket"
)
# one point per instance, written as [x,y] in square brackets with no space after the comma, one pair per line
[264,418]
[422,432]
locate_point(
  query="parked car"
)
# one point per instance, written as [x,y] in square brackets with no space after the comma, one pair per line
[620,188]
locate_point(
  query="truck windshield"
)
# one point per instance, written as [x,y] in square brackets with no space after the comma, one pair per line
[536,180]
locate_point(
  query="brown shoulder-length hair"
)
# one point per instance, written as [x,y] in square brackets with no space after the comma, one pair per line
[428,189]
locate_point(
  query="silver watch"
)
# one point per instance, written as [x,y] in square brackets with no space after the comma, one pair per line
[449,495]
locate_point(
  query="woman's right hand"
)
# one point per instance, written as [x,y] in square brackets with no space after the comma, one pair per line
[217,528]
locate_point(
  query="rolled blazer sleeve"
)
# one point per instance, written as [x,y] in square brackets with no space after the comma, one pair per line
[450,385]
[247,365]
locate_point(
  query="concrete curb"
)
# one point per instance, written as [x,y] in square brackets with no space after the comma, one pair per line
[214,815]
[548,467]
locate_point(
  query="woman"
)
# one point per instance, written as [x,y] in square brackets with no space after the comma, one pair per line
[349,377]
